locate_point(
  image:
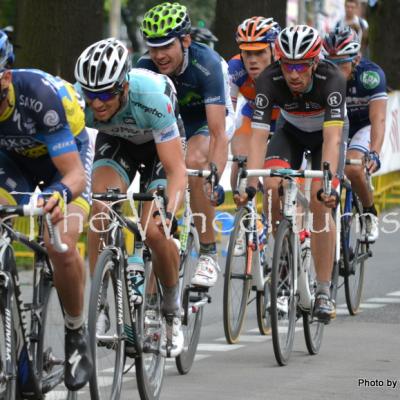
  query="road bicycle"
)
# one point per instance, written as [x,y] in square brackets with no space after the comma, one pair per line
[131,329]
[355,249]
[247,268]
[193,298]
[293,277]
[32,331]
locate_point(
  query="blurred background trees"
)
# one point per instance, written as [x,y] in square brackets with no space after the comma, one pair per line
[52,33]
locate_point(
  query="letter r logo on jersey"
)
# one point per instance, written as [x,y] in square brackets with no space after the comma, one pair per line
[261,101]
[335,99]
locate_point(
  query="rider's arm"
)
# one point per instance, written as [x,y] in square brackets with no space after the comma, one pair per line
[332,136]
[257,151]
[171,156]
[218,150]
[377,116]
[335,111]
[260,125]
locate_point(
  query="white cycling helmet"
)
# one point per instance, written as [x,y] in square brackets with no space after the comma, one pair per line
[298,43]
[103,65]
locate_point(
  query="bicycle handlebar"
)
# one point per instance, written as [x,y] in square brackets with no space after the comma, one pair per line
[27,211]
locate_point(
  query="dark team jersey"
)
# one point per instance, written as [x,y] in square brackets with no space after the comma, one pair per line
[43,117]
[368,83]
[322,105]
[199,83]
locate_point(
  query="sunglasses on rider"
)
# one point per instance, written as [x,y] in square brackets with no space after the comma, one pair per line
[102,96]
[341,60]
[299,68]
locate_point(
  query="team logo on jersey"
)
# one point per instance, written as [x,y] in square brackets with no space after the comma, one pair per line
[51,118]
[261,101]
[370,79]
[335,99]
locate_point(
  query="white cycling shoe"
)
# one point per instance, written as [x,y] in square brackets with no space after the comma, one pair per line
[372,229]
[172,340]
[240,245]
[206,274]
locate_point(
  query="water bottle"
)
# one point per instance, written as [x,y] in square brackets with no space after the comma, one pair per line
[135,275]
[305,241]
[262,231]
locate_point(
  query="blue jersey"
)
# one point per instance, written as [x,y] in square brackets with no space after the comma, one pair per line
[43,116]
[199,83]
[367,84]
[149,112]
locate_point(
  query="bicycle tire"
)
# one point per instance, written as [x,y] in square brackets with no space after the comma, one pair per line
[282,292]
[354,255]
[108,357]
[8,363]
[149,364]
[191,325]
[263,298]
[313,329]
[235,271]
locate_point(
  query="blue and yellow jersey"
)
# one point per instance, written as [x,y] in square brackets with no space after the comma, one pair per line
[44,115]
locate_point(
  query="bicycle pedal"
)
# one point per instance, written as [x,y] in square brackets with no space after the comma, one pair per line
[199,289]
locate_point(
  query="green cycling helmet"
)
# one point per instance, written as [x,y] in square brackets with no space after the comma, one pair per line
[165,22]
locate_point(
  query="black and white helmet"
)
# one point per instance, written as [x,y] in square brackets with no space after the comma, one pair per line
[298,43]
[103,65]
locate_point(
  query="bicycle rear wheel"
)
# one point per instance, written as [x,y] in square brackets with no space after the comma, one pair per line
[106,331]
[313,329]
[7,333]
[150,364]
[236,281]
[193,316]
[355,252]
[283,299]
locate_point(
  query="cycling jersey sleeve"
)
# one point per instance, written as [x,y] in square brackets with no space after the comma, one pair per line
[50,116]
[263,102]
[157,105]
[373,81]
[212,81]
[335,100]
[234,68]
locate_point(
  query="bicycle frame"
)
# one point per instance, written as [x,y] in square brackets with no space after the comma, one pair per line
[23,368]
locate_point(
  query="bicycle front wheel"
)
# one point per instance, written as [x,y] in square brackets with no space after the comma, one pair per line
[313,329]
[150,364]
[106,331]
[193,316]
[355,253]
[237,281]
[283,299]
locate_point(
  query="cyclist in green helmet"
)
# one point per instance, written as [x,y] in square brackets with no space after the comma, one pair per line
[198,75]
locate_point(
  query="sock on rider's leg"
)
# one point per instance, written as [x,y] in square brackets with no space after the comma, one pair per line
[324,288]
[209,249]
[171,300]
[74,322]
[370,210]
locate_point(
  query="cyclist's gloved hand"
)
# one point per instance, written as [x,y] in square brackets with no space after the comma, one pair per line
[330,201]
[55,206]
[170,222]
[219,194]
[374,162]
[241,199]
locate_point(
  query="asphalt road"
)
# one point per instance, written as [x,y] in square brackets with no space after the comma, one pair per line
[359,358]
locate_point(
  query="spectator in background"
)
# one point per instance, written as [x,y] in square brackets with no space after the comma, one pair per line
[358,24]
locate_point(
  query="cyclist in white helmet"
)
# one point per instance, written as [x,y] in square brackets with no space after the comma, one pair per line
[135,113]
[311,95]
